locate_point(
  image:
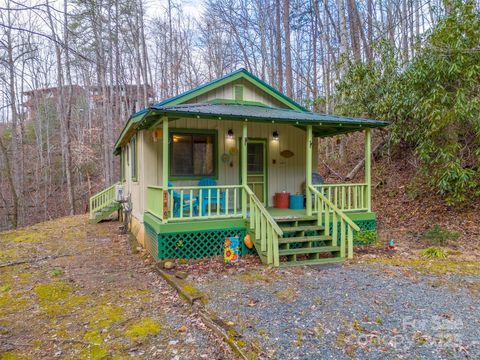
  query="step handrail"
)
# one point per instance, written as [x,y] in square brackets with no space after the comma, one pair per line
[102,199]
[264,227]
[347,226]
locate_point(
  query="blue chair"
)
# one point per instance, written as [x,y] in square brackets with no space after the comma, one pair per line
[213,200]
[184,203]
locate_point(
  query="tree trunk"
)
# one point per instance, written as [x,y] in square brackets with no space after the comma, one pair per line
[8,171]
[17,191]
[278,43]
[288,50]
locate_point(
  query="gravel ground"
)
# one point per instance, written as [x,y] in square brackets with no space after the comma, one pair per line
[351,311]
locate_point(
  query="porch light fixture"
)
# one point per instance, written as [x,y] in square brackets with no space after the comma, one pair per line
[230,134]
[275,135]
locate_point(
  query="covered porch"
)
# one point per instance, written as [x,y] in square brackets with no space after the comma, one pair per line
[173,199]
[321,231]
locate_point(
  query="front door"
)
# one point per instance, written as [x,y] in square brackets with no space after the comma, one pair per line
[257,168]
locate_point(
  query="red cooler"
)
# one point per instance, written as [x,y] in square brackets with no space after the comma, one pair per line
[282,200]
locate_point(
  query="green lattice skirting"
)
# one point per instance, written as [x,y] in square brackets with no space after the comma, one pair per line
[363,225]
[192,245]
[200,244]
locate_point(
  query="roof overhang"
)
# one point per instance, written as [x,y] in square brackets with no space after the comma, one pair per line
[323,125]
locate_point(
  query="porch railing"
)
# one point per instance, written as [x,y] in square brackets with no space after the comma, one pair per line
[101,200]
[341,223]
[346,197]
[194,202]
[264,227]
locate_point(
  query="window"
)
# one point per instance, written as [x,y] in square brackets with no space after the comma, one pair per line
[193,154]
[122,164]
[134,164]
[255,158]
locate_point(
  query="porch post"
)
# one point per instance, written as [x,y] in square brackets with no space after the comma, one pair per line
[308,181]
[165,158]
[368,167]
[243,167]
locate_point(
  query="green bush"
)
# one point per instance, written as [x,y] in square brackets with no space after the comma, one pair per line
[433,102]
[439,235]
[366,237]
[434,253]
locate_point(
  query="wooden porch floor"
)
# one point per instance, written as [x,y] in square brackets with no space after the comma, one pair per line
[287,213]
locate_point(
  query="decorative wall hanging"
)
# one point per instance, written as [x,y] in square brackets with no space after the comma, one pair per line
[225,158]
[286,154]
[157,134]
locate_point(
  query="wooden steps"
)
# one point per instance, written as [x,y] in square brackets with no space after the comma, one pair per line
[105,212]
[303,243]
[321,261]
[301,228]
[309,250]
[301,239]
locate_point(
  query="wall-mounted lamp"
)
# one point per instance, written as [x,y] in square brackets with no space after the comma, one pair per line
[275,135]
[230,134]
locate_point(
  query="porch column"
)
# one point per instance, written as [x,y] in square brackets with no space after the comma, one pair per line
[308,178]
[243,167]
[165,158]
[368,167]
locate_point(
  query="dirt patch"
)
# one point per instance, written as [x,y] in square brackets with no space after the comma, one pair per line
[81,293]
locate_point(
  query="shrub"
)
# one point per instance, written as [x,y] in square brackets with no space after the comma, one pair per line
[434,253]
[433,102]
[439,235]
[366,237]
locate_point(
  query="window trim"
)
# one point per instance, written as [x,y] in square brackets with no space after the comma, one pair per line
[134,159]
[193,132]
[122,165]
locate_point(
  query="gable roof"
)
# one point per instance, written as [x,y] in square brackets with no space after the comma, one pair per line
[237,74]
[241,73]
[236,110]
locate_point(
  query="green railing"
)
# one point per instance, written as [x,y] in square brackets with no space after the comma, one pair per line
[341,223]
[346,197]
[102,200]
[195,202]
[155,201]
[264,227]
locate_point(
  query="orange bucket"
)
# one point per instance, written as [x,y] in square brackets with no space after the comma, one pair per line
[282,200]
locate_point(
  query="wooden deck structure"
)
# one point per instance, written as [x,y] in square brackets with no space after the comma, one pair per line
[321,233]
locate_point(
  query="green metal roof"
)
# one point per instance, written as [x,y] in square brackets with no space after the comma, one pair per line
[295,114]
[190,94]
[260,113]
[323,125]
[237,74]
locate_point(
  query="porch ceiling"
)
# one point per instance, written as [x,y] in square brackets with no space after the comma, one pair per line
[323,124]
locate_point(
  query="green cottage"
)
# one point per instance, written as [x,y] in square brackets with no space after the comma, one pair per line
[207,164]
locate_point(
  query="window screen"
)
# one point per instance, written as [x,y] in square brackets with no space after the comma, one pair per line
[255,158]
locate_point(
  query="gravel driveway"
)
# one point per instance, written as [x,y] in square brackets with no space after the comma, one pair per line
[350,311]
